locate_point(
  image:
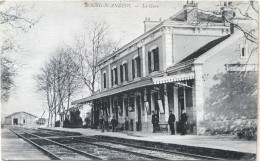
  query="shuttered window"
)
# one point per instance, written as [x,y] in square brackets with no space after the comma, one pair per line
[112,77]
[149,62]
[156,59]
[104,80]
[138,62]
[116,76]
[153,60]
[133,68]
[126,71]
[121,74]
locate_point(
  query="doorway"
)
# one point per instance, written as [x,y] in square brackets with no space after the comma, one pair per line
[139,121]
[15,121]
[156,105]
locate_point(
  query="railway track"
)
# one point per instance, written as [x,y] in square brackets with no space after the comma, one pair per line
[61,145]
[54,150]
[60,148]
[168,154]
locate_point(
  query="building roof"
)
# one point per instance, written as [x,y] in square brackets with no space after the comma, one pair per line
[20,112]
[204,48]
[177,19]
[202,16]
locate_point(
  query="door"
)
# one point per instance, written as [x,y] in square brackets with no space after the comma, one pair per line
[15,121]
[156,105]
[139,121]
[126,113]
[116,109]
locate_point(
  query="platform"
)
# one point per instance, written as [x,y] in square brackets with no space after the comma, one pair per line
[223,142]
[14,148]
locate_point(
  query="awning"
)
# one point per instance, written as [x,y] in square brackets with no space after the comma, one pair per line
[115,90]
[173,78]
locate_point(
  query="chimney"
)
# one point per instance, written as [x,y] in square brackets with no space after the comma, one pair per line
[149,24]
[191,11]
[228,13]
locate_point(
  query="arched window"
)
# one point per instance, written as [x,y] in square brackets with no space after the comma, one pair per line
[136,66]
[124,72]
[114,76]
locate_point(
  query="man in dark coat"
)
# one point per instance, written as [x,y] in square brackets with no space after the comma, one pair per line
[102,123]
[155,121]
[114,124]
[183,122]
[171,121]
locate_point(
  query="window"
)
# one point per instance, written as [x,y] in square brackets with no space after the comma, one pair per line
[114,76]
[125,66]
[124,72]
[156,59]
[153,60]
[121,74]
[133,68]
[136,67]
[104,80]
[244,51]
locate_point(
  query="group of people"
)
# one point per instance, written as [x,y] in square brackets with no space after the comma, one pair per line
[171,122]
[102,123]
[155,122]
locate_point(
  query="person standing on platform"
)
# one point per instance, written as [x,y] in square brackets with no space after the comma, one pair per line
[102,123]
[171,122]
[155,121]
[183,123]
[114,124]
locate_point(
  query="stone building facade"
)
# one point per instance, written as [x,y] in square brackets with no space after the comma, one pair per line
[171,67]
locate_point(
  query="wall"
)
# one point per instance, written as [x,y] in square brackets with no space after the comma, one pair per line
[229,96]
[184,45]
[157,42]
[127,58]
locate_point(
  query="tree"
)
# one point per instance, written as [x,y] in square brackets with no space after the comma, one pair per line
[57,82]
[89,47]
[13,22]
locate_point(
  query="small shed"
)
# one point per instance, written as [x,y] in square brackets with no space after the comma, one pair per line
[20,118]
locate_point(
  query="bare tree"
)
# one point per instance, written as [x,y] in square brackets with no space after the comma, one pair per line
[58,82]
[89,47]
[46,84]
[13,22]
[7,74]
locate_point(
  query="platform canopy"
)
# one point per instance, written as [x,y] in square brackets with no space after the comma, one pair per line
[115,90]
[173,78]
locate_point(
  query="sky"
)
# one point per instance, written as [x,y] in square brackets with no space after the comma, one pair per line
[60,20]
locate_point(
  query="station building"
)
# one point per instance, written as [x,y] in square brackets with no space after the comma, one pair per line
[178,64]
[20,118]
